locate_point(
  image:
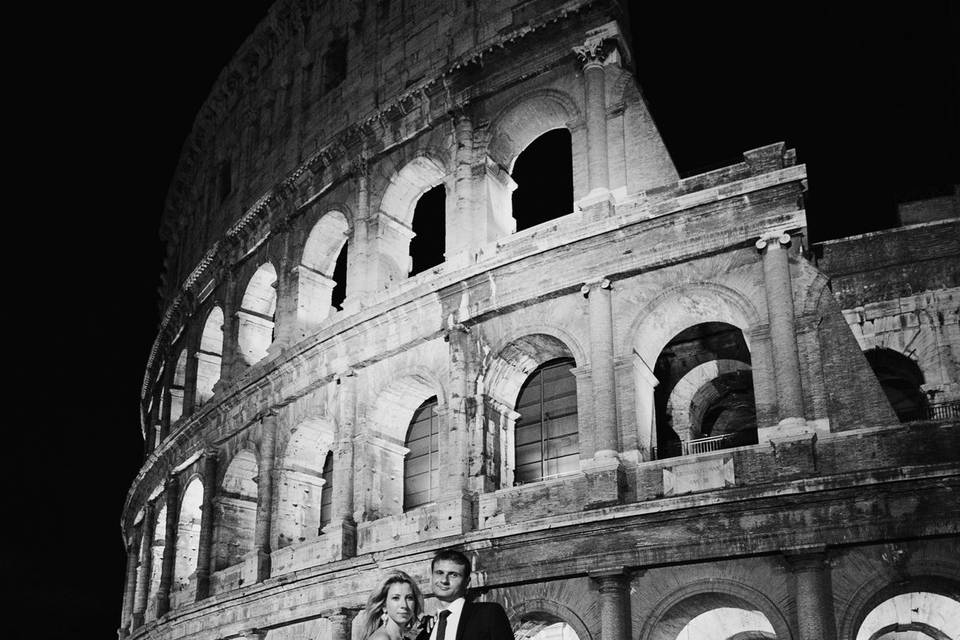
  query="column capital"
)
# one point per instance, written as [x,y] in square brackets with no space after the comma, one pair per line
[596,283]
[610,577]
[600,46]
[806,558]
[775,238]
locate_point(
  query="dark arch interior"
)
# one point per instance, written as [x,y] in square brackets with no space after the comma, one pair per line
[732,408]
[428,246]
[339,293]
[544,176]
[901,379]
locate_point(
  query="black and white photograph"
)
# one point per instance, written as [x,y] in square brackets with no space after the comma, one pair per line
[502,320]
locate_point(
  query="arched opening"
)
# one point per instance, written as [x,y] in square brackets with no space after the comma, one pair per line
[188,534]
[540,627]
[916,615]
[544,175]
[546,436]
[531,408]
[713,616]
[177,387]
[421,465]
[156,558]
[236,511]
[902,380]
[704,399]
[256,314]
[209,355]
[428,245]
[326,491]
[339,293]
[321,277]
[301,481]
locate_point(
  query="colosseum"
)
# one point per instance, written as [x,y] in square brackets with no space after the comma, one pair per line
[653,411]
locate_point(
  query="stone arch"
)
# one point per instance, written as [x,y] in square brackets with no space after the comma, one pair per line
[314,274]
[529,618]
[156,547]
[675,610]
[300,480]
[523,120]
[236,510]
[884,587]
[256,314]
[684,306]
[410,182]
[323,243]
[188,533]
[503,379]
[388,423]
[665,317]
[396,402]
[209,355]
[689,400]
[178,383]
[519,353]
[902,381]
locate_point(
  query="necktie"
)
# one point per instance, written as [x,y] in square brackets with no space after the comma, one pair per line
[442,624]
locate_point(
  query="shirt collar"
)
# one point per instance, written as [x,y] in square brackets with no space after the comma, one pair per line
[455,607]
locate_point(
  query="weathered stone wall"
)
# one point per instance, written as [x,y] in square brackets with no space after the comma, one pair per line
[636,542]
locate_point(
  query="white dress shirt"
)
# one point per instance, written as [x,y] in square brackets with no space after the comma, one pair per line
[453,620]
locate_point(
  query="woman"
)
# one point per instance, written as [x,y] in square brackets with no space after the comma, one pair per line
[393,609]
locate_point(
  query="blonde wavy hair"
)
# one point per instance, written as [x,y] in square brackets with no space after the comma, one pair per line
[373,614]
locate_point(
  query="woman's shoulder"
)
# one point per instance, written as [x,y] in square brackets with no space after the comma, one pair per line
[380,634]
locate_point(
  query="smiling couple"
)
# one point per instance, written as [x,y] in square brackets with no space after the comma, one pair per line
[395,609]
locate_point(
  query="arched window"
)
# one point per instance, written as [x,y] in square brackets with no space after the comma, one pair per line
[188,533]
[326,492]
[546,438]
[339,293]
[544,176]
[421,475]
[902,380]
[210,355]
[177,387]
[256,314]
[427,247]
[705,398]
[917,614]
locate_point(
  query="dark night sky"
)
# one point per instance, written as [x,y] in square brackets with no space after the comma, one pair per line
[869,97]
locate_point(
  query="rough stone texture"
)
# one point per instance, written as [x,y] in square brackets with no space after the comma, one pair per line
[441,93]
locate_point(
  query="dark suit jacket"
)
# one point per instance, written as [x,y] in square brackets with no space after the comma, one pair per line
[481,621]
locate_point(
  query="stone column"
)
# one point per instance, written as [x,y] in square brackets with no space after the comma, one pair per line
[190,383]
[143,573]
[614,588]
[601,366]
[205,542]
[815,616]
[130,583]
[341,623]
[172,497]
[231,362]
[261,537]
[592,55]
[459,464]
[783,335]
[342,523]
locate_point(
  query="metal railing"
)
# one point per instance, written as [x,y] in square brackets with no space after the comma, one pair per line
[691,447]
[941,411]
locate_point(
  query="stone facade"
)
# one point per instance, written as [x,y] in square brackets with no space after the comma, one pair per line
[731,447]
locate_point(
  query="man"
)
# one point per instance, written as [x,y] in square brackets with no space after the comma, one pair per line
[458,619]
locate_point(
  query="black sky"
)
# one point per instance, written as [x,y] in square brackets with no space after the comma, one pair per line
[869,97]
